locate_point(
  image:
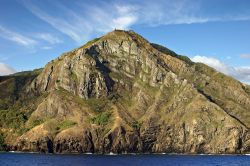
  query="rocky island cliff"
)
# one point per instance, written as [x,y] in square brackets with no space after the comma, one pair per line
[120,93]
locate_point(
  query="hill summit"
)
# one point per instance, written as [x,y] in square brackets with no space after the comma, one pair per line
[120,93]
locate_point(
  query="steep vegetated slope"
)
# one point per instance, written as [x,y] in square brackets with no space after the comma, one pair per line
[120,93]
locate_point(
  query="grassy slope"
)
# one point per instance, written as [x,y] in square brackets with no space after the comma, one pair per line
[216,87]
[14,111]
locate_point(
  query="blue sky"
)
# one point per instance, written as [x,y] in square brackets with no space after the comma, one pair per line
[215,32]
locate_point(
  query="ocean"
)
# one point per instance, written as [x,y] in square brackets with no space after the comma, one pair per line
[33,159]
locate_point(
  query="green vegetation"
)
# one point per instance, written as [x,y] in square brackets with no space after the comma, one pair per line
[102,118]
[28,73]
[214,75]
[185,59]
[172,53]
[200,87]
[7,92]
[136,124]
[90,43]
[16,116]
[56,126]
[221,76]
[199,67]
[202,68]
[12,119]
[35,122]
[65,125]
[96,105]
[74,77]
[12,86]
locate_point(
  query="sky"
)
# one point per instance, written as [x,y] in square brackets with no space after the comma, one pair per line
[214,32]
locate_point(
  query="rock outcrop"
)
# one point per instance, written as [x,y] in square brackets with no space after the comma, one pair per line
[121,94]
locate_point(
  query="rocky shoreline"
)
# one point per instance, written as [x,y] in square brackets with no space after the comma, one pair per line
[134,154]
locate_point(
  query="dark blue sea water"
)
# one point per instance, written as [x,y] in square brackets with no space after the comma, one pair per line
[27,159]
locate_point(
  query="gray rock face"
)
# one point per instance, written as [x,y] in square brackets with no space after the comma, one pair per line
[85,72]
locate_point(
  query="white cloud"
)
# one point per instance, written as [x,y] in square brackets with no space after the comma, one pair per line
[241,73]
[28,42]
[46,48]
[212,62]
[245,56]
[126,16]
[5,69]
[123,22]
[73,27]
[111,16]
[16,37]
[85,19]
[82,20]
[48,38]
[79,25]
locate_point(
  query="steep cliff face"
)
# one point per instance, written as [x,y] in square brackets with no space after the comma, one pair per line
[120,93]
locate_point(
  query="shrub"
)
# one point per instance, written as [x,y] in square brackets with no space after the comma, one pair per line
[172,53]
[185,59]
[34,123]
[199,67]
[136,124]
[200,87]
[97,105]
[101,119]
[12,119]
[55,126]
[65,125]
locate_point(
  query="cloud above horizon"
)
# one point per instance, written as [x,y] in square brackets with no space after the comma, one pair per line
[241,73]
[101,17]
[80,25]
[16,37]
[51,39]
[6,70]
[29,41]
[246,56]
